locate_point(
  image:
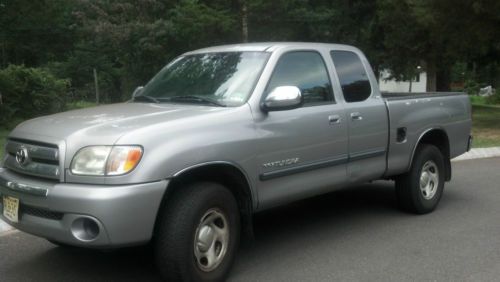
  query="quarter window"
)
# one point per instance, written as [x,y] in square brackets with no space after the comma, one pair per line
[352,75]
[307,71]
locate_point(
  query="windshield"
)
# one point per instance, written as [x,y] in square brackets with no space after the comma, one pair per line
[224,79]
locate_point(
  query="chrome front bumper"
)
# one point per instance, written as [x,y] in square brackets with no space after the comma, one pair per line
[124,214]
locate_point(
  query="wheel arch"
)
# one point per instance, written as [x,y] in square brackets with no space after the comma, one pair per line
[439,138]
[227,174]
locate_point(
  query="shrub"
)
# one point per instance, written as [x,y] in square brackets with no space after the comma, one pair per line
[29,92]
[79,105]
[494,99]
[471,87]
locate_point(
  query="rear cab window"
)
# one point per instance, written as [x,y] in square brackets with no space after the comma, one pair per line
[352,75]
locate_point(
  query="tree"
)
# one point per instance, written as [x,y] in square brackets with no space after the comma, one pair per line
[437,34]
[128,41]
[34,32]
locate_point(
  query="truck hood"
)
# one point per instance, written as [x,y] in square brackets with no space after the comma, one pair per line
[105,124]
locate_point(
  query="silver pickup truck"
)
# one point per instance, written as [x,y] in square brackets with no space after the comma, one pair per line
[217,135]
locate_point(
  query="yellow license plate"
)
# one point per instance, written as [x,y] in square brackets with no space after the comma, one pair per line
[11,208]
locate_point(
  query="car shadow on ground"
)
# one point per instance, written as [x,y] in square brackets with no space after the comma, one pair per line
[328,214]
[353,202]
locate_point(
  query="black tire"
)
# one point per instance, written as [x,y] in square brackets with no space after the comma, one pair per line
[62,245]
[177,227]
[410,196]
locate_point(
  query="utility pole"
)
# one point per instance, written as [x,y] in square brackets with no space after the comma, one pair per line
[96,84]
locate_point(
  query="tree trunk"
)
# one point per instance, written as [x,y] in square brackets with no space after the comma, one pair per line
[96,85]
[431,77]
[244,20]
[443,81]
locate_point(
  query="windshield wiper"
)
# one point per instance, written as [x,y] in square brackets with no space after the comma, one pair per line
[194,98]
[146,99]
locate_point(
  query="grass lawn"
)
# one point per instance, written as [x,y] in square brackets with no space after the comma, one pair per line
[485,125]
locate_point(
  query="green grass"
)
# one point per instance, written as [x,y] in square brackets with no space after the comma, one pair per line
[79,105]
[485,125]
[478,100]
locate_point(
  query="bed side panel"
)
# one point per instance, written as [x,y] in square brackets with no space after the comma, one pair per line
[451,113]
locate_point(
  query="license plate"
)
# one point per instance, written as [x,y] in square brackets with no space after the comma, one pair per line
[11,208]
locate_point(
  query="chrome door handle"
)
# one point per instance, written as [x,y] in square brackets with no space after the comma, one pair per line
[356,116]
[334,119]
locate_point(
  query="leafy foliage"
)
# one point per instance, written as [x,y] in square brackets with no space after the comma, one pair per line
[29,92]
[34,32]
[79,105]
[494,99]
[127,41]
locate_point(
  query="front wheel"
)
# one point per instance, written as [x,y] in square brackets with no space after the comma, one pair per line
[420,189]
[197,234]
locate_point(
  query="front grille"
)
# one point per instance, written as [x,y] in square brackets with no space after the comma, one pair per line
[32,158]
[38,212]
[34,211]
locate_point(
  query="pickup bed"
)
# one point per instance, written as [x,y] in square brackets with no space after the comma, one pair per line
[217,135]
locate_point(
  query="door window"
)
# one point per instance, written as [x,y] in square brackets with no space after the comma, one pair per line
[307,71]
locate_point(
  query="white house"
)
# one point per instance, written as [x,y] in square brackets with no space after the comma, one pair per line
[419,83]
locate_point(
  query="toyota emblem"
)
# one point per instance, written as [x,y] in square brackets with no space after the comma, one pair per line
[22,156]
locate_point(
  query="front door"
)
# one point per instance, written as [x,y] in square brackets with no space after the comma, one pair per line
[303,151]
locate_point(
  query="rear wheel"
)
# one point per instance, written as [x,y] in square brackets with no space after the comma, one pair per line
[197,234]
[420,189]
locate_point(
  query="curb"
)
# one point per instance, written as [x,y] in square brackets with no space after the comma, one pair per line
[479,153]
[4,227]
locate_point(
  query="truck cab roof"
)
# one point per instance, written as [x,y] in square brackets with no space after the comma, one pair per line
[269,47]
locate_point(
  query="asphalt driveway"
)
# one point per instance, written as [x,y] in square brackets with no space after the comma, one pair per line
[353,234]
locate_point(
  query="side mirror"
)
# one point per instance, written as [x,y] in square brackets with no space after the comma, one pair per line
[137,91]
[283,98]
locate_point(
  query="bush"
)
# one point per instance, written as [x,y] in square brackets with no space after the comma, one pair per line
[471,87]
[29,92]
[494,99]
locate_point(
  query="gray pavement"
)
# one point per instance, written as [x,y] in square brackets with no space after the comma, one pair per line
[355,234]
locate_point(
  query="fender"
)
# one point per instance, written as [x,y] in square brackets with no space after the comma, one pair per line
[235,165]
[446,157]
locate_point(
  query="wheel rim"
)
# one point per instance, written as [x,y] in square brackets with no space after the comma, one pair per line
[429,180]
[211,240]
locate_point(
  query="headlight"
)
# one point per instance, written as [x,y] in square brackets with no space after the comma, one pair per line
[106,160]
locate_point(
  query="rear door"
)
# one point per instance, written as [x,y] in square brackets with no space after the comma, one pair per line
[366,114]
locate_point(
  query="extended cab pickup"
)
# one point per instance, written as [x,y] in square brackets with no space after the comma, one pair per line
[217,135]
